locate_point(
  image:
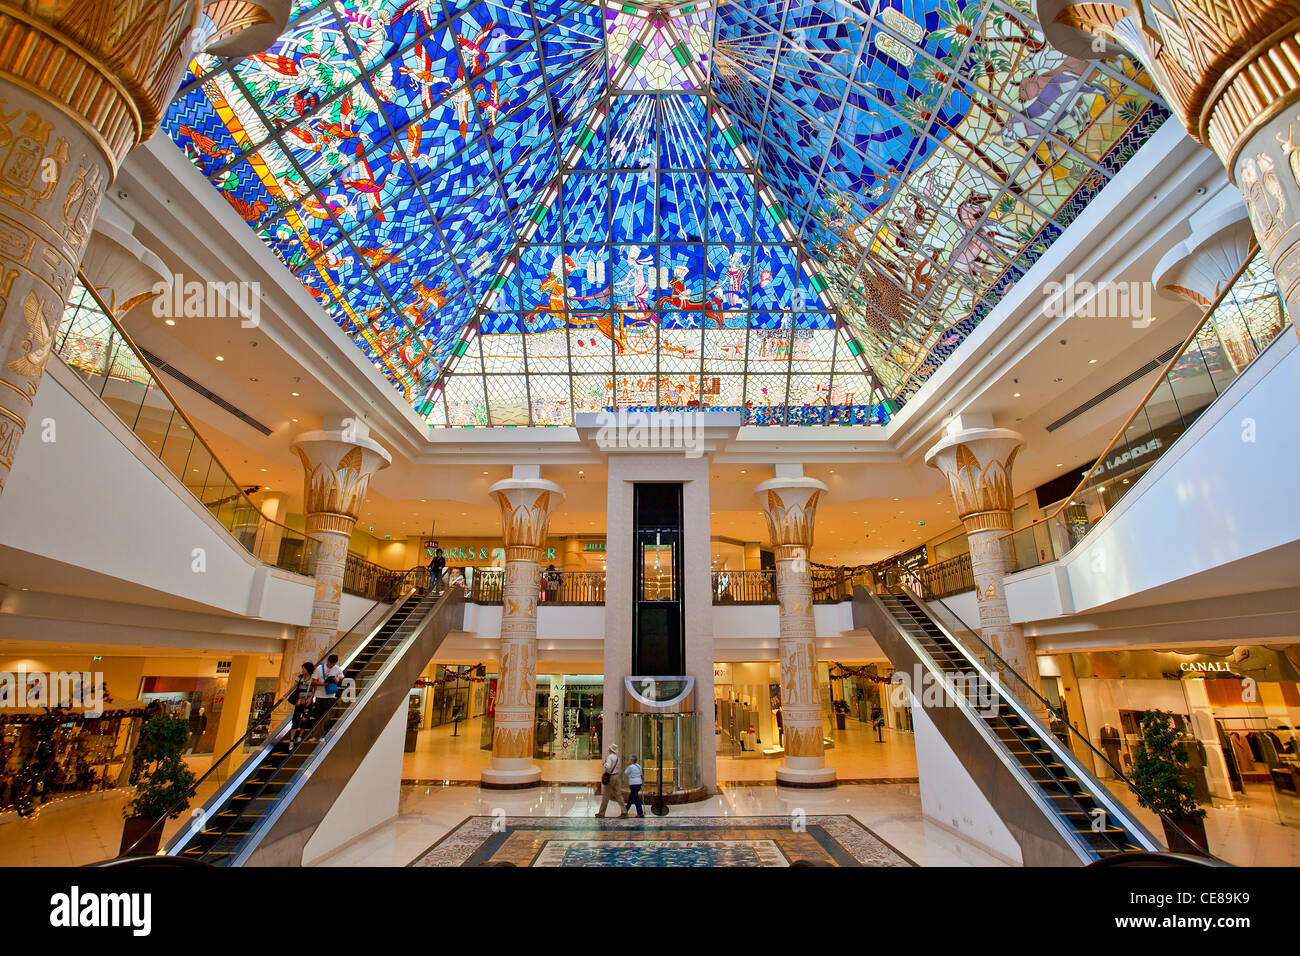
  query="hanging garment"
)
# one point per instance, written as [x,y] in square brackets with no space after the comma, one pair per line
[1245,759]
[1256,749]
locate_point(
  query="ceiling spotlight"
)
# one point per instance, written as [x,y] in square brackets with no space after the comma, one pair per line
[169,321]
[221,358]
[294,394]
[1092,361]
[1016,395]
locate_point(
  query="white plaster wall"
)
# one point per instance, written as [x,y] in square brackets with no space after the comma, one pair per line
[122,519]
[1214,499]
[370,797]
[950,797]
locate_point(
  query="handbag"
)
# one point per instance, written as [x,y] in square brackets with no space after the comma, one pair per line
[605,778]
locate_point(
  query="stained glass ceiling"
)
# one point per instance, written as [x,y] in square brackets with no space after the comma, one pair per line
[523,210]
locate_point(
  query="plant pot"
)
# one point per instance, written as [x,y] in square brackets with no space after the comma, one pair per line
[133,828]
[1188,837]
[839,721]
[412,737]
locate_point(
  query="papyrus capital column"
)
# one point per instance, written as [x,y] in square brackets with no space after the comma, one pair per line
[82,82]
[526,500]
[338,463]
[1231,74]
[1200,267]
[977,462]
[789,503]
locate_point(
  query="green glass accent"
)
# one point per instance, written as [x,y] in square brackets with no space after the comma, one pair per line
[818,282]
[854,347]
[680,52]
[460,348]
[539,213]
[585,137]
[497,282]
[634,55]
[732,137]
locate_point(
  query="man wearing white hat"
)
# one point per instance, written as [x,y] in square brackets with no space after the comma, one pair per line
[609,782]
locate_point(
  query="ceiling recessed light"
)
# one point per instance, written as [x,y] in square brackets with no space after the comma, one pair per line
[264,469]
[1092,361]
[294,394]
[169,321]
[221,358]
[1059,465]
[1016,395]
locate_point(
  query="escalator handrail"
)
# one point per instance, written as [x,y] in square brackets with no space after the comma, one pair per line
[972,634]
[223,795]
[300,776]
[274,736]
[1035,793]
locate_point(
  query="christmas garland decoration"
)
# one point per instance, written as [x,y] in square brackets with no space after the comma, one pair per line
[451,679]
[859,672]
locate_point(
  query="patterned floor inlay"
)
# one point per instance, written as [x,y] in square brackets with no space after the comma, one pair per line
[837,840]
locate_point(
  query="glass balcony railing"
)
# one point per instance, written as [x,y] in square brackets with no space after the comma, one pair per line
[90,342]
[1248,315]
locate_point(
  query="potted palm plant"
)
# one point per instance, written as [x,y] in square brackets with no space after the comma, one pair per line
[165,785]
[1158,775]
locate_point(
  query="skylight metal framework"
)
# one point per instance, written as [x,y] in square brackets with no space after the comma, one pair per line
[462,187]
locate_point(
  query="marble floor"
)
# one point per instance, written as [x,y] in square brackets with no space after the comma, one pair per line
[81,828]
[857,755]
[1244,832]
[891,811]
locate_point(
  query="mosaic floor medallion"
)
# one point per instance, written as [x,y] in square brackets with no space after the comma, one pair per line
[837,840]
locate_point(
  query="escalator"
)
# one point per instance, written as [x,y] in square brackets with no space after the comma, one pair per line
[269,809]
[1057,811]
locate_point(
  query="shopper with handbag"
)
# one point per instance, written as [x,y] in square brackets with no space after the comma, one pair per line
[609,782]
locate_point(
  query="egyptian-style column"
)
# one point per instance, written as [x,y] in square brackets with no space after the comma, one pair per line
[338,462]
[790,505]
[526,500]
[977,463]
[1200,267]
[82,82]
[1231,74]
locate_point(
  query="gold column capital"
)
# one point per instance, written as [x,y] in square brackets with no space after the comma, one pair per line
[526,515]
[338,465]
[790,508]
[1225,69]
[114,65]
[977,463]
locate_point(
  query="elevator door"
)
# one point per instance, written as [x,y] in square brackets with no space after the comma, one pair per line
[657,640]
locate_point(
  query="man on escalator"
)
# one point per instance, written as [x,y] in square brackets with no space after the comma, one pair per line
[328,681]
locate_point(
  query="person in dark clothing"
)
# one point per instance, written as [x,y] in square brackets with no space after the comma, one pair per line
[302,697]
[437,564]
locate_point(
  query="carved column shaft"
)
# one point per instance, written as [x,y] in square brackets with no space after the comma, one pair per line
[338,465]
[525,520]
[977,463]
[790,507]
